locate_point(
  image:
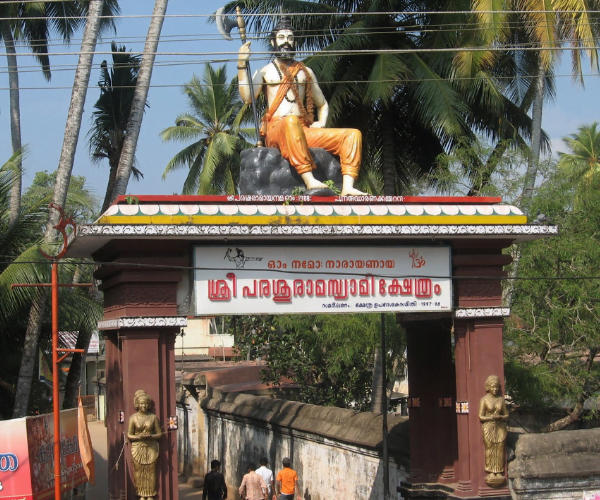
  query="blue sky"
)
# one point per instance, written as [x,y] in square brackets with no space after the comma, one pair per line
[44,105]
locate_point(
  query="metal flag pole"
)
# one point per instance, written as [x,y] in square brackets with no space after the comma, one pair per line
[225,26]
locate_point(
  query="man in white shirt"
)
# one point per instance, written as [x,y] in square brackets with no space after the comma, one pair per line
[267,474]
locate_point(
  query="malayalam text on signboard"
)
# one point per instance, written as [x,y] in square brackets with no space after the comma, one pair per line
[314,280]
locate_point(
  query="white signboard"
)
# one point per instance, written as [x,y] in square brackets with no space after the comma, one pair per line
[316,280]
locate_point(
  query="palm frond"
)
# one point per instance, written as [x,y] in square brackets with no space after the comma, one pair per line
[186,157]
[437,102]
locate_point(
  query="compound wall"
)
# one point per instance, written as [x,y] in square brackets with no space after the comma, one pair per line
[335,451]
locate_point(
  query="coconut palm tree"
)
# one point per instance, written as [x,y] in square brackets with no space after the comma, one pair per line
[214,127]
[547,25]
[95,8]
[582,163]
[20,242]
[140,97]
[32,23]
[112,110]
[18,238]
[379,76]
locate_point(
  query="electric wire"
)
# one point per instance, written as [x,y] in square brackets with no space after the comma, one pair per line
[302,272]
[340,32]
[314,55]
[322,82]
[313,14]
[533,46]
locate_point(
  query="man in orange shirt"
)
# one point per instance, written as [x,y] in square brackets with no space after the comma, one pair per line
[286,482]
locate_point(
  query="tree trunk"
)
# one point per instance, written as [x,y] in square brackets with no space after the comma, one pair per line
[578,410]
[388,153]
[75,369]
[110,186]
[139,99]
[572,417]
[78,94]
[63,177]
[509,290]
[377,384]
[15,117]
[489,169]
[536,138]
[30,353]
[530,175]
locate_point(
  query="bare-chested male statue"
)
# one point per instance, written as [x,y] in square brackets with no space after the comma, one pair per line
[293,95]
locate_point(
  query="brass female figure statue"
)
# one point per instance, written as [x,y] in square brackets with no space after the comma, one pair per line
[493,415]
[144,433]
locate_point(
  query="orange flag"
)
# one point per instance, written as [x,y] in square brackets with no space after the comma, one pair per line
[85,444]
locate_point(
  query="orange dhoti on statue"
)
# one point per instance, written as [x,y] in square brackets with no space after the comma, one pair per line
[293,139]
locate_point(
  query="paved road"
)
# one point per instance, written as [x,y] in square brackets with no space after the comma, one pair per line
[99,491]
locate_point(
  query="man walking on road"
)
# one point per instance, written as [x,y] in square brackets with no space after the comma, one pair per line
[267,474]
[253,486]
[214,483]
[286,482]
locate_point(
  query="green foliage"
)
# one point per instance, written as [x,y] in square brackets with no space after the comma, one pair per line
[212,131]
[18,242]
[582,163]
[21,262]
[329,356]
[82,205]
[111,113]
[35,22]
[411,99]
[554,332]
[474,167]
[132,200]
[331,185]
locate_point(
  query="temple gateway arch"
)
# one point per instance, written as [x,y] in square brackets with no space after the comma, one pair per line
[436,262]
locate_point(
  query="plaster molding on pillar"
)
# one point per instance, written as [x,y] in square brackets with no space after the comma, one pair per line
[170,230]
[142,322]
[482,312]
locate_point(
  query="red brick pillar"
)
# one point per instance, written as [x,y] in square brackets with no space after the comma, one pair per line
[431,400]
[114,427]
[478,353]
[140,324]
[140,355]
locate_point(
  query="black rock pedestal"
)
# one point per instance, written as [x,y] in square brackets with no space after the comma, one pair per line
[264,171]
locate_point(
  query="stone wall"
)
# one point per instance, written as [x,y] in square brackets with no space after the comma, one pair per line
[559,465]
[335,451]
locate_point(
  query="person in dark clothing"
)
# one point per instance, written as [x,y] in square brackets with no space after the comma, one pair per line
[214,483]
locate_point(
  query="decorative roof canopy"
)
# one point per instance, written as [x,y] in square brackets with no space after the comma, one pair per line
[271,217]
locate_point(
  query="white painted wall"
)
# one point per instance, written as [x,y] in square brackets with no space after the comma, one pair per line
[243,428]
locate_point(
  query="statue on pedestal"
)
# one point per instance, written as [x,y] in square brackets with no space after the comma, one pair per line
[143,434]
[493,415]
[293,96]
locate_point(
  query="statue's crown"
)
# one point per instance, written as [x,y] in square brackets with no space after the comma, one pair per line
[284,23]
